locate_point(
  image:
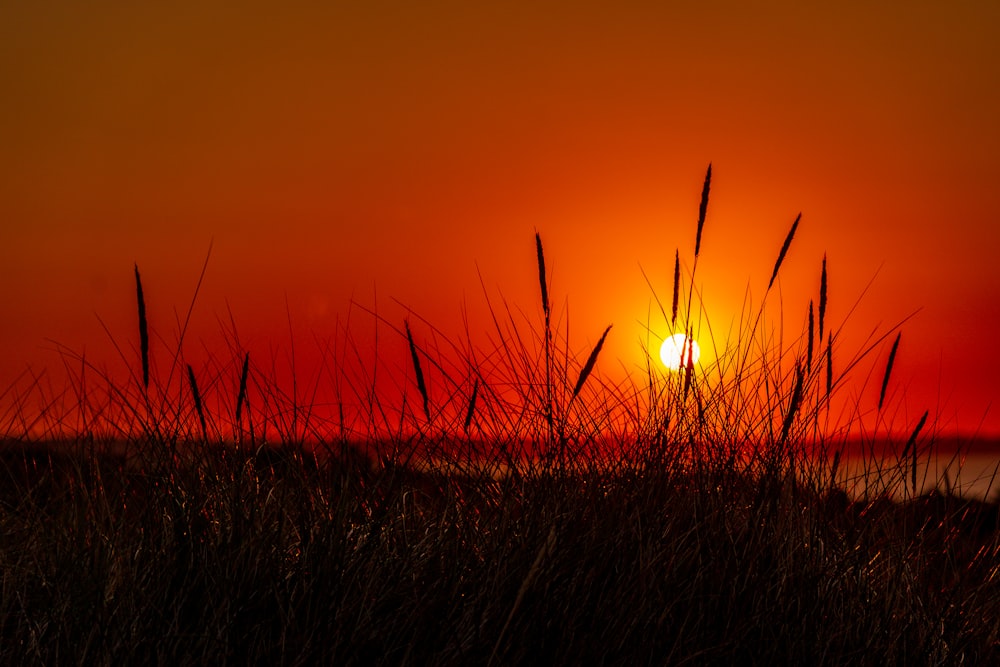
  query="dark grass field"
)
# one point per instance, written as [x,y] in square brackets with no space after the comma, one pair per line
[280,558]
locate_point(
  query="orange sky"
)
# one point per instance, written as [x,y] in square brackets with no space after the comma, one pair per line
[400,147]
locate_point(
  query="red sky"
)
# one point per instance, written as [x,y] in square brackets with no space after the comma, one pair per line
[329,152]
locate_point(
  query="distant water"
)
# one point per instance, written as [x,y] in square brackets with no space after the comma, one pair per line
[970,469]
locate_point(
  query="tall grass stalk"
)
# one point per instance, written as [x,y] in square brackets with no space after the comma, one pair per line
[702,213]
[543,285]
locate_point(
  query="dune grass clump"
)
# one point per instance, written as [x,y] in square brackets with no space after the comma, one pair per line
[528,510]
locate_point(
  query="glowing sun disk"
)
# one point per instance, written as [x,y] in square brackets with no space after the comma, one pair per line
[677,350]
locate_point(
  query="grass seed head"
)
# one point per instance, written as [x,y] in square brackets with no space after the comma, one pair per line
[703,209]
[784,250]
[591,360]
[542,281]
[677,287]
[822,298]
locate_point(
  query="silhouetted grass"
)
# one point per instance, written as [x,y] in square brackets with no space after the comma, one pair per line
[537,513]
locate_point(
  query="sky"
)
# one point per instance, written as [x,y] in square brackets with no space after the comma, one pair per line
[400,156]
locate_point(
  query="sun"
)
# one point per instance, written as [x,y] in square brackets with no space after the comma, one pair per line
[678,350]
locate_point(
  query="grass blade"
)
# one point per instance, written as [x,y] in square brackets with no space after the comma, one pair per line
[809,352]
[793,406]
[241,396]
[197,402]
[784,250]
[472,405]
[687,349]
[829,365]
[822,298]
[677,287]
[912,442]
[688,375]
[888,370]
[143,330]
[421,385]
[834,467]
[703,209]
[549,416]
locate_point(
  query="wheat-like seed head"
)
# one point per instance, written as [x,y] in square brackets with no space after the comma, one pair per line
[591,360]
[703,209]
[784,250]
[822,298]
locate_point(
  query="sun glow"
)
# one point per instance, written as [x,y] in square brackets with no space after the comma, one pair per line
[678,351]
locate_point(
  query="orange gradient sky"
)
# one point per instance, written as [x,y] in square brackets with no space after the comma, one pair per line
[332,150]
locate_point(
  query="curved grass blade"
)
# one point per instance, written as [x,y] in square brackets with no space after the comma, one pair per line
[143,330]
[888,370]
[241,396]
[793,406]
[912,442]
[421,386]
[472,405]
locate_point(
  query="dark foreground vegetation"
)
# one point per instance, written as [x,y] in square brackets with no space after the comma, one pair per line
[280,559]
[505,504]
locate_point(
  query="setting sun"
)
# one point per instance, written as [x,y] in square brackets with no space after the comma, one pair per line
[677,350]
